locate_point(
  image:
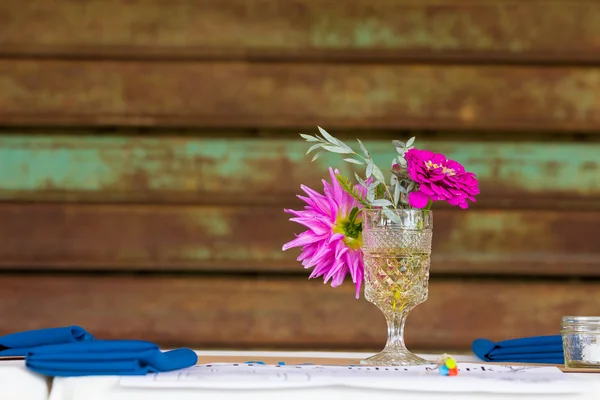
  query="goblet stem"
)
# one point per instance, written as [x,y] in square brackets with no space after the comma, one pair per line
[395,323]
[395,352]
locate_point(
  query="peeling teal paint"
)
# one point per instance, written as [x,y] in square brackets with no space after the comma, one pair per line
[109,163]
[214,224]
[34,168]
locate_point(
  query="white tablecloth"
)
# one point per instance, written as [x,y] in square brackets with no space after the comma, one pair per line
[20,384]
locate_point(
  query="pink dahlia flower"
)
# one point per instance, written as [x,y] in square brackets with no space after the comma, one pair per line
[332,243]
[439,179]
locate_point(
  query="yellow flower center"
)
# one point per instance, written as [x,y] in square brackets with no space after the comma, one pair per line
[447,171]
[352,231]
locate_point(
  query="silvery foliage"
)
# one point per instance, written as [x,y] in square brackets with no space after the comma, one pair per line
[379,194]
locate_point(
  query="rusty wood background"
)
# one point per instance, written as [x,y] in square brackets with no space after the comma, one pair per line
[207,167]
[148,148]
[448,30]
[264,312]
[250,239]
[293,95]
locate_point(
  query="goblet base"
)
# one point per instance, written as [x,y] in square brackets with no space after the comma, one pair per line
[395,358]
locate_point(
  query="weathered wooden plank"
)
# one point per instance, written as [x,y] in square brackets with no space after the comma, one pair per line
[565,31]
[206,312]
[243,171]
[298,95]
[72,237]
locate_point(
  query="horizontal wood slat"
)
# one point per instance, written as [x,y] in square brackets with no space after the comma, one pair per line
[284,313]
[250,239]
[87,167]
[298,95]
[564,31]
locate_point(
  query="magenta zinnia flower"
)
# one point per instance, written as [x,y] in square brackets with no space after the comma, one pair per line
[439,179]
[332,243]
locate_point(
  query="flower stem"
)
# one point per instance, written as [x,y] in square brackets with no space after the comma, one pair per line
[428,206]
[391,198]
[384,185]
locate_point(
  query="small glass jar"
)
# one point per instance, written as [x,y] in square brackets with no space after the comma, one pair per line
[581,341]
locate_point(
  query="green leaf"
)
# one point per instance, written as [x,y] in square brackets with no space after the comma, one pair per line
[398,144]
[392,216]
[410,141]
[317,155]
[377,173]
[327,136]
[370,168]
[313,147]
[379,190]
[397,193]
[353,161]
[337,149]
[347,186]
[353,214]
[400,151]
[309,138]
[360,180]
[363,148]
[371,195]
[344,145]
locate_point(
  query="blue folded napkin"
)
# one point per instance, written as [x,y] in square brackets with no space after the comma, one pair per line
[536,349]
[20,343]
[107,357]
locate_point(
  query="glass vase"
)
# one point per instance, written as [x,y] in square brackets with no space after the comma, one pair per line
[397,255]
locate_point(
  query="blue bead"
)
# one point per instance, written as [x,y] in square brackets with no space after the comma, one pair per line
[444,370]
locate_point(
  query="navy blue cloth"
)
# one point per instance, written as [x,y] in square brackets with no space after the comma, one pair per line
[536,349]
[107,357]
[20,343]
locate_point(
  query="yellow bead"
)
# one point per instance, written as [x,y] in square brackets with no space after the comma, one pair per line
[450,363]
